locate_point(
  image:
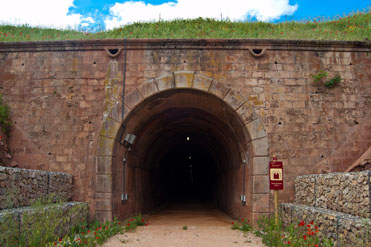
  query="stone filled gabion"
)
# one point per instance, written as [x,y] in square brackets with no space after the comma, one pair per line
[343,192]
[20,187]
[344,229]
[70,214]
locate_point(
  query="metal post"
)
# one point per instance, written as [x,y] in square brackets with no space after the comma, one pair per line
[276,207]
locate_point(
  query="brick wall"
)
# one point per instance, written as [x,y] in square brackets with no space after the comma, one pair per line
[60,92]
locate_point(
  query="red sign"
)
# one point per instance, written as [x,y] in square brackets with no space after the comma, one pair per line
[275,175]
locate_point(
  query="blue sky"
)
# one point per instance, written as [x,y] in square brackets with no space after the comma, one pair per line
[91,15]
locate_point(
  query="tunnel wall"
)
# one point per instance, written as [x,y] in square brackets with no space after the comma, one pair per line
[61,93]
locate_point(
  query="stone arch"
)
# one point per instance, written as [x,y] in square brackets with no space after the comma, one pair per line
[112,130]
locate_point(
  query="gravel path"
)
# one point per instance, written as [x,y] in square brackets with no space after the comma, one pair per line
[206,226]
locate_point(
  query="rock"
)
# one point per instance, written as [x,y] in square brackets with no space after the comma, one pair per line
[3,176]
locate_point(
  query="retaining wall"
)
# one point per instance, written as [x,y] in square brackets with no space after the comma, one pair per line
[346,230]
[20,222]
[20,187]
[348,193]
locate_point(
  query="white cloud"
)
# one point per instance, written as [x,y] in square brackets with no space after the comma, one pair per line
[49,13]
[235,10]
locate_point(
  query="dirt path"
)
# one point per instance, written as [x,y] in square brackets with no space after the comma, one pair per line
[206,227]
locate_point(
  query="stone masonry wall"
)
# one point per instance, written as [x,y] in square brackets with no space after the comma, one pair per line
[343,192]
[20,187]
[344,229]
[60,92]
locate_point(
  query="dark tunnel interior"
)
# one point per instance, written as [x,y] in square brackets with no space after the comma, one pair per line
[188,149]
[188,172]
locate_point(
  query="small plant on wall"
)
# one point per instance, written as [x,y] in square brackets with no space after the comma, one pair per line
[5,123]
[320,78]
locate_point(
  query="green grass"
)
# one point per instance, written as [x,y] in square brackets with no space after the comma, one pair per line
[356,26]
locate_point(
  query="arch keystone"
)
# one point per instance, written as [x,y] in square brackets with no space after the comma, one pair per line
[183,79]
[202,82]
[165,82]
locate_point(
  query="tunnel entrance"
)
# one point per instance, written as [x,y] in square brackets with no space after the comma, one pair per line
[184,137]
[190,146]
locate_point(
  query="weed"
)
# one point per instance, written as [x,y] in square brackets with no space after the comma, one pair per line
[296,234]
[331,83]
[5,122]
[185,227]
[39,225]
[241,225]
[133,223]
[319,76]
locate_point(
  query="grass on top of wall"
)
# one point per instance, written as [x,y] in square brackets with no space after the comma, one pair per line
[356,26]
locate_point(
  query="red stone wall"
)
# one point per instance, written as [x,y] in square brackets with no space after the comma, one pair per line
[60,92]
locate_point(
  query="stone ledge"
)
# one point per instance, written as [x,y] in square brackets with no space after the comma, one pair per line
[270,44]
[344,229]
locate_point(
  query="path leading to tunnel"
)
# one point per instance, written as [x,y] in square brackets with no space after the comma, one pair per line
[206,226]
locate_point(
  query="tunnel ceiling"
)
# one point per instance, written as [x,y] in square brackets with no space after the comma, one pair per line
[163,122]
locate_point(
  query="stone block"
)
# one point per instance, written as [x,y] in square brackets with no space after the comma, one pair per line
[183,79]
[103,216]
[103,164]
[247,112]
[103,205]
[234,99]
[260,184]
[260,165]
[165,82]
[133,99]
[105,146]
[103,183]
[110,128]
[260,203]
[256,129]
[260,147]
[148,89]
[202,82]
[116,112]
[218,89]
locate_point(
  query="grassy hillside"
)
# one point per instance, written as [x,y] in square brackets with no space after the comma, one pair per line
[353,27]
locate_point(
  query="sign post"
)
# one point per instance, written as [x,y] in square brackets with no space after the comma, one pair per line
[275,182]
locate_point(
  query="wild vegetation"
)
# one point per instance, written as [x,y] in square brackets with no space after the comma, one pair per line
[356,26]
[5,122]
